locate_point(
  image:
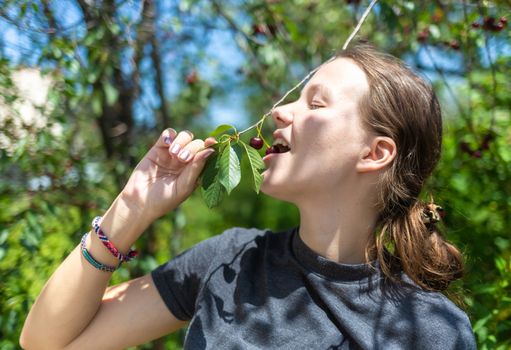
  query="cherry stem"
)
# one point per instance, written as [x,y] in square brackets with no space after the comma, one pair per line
[259,124]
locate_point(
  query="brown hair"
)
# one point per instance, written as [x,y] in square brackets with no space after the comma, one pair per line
[402,106]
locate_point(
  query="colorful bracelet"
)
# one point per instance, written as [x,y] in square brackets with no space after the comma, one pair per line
[106,242]
[93,261]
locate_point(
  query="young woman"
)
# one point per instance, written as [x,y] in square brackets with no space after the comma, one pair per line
[363,270]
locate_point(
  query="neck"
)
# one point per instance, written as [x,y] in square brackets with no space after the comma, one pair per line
[337,227]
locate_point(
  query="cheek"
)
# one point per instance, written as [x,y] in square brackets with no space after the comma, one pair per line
[337,135]
[327,153]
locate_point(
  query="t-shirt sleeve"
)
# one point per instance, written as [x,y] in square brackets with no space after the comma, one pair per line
[179,280]
[444,326]
[466,338]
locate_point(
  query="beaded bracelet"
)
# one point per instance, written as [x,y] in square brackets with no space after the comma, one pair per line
[106,242]
[93,261]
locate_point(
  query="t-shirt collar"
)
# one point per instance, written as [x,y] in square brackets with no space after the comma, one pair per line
[328,268]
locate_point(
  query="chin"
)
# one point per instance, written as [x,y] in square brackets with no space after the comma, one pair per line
[278,191]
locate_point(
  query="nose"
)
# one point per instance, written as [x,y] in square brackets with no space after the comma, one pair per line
[282,116]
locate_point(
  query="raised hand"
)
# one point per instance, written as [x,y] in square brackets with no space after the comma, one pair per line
[167,174]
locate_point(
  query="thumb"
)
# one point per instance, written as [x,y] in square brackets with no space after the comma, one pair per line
[192,171]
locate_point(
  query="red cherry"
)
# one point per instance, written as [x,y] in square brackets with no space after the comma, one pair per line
[465,147]
[259,29]
[498,27]
[486,142]
[256,143]
[477,154]
[489,23]
[503,20]
[272,149]
[476,25]
[423,35]
[192,77]
[454,44]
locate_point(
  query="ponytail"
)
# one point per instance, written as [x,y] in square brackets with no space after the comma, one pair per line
[403,106]
[413,243]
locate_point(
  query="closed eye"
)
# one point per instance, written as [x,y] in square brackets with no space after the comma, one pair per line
[315,106]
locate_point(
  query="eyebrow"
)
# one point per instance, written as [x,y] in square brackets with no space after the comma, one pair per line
[323,89]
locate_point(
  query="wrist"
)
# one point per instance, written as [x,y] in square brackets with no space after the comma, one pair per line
[142,206]
[94,251]
[123,223]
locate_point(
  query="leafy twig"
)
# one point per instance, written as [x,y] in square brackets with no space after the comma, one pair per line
[222,172]
[494,81]
[469,67]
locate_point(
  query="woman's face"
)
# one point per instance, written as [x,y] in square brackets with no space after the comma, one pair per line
[325,135]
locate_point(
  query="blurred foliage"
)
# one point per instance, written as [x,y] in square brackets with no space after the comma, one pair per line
[122,71]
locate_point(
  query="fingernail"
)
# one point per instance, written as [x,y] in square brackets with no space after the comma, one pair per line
[167,140]
[184,155]
[175,149]
[207,153]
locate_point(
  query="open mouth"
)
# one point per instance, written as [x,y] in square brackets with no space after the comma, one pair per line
[278,148]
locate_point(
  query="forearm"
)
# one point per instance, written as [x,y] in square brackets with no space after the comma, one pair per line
[73,294]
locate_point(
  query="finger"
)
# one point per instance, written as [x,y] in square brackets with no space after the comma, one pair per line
[181,140]
[210,141]
[188,152]
[166,138]
[192,171]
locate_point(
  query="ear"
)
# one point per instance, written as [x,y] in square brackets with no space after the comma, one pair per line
[376,156]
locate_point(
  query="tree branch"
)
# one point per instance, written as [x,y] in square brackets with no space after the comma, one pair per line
[260,67]
[446,83]
[159,78]
[49,16]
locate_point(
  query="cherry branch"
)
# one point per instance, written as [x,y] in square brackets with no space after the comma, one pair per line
[494,81]
[440,72]
[467,48]
[346,43]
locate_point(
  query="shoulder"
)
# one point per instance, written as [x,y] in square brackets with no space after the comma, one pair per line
[440,323]
[439,307]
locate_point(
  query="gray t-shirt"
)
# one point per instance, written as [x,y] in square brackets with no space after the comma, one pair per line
[255,289]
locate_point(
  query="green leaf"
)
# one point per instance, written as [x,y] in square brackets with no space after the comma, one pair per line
[23,10]
[111,93]
[238,150]
[20,149]
[230,172]
[500,263]
[211,189]
[97,107]
[221,129]
[213,194]
[210,171]
[256,163]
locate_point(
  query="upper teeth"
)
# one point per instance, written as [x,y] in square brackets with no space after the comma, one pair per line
[279,141]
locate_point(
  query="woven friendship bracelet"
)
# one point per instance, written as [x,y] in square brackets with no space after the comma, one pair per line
[106,242]
[93,261]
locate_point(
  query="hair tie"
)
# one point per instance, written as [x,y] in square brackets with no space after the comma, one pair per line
[432,214]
